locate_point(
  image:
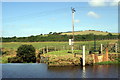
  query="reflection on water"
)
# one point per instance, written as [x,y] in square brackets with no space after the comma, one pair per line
[83,73]
[42,71]
[105,70]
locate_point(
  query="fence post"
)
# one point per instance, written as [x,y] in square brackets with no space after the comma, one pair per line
[43,50]
[106,54]
[55,48]
[88,47]
[116,47]
[79,47]
[63,47]
[47,49]
[83,56]
[101,48]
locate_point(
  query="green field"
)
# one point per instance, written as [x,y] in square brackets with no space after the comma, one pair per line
[39,45]
[65,52]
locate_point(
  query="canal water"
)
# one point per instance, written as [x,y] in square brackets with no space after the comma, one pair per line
[20,70]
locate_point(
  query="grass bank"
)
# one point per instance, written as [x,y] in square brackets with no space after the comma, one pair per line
[107,62]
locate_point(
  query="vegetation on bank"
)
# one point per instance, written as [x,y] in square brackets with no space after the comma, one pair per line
[25,54]
[108,62]
[64,58]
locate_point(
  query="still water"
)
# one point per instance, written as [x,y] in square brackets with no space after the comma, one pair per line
[43,71]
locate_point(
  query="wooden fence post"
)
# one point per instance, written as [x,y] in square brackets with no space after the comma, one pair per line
[101,48]
[63,47]
[43,50]
[106,54]
[47,49]
[116,47]
[55,48]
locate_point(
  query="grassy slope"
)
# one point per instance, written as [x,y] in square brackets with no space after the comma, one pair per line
[88,32]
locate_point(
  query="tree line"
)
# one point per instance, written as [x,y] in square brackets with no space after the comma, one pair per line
[58,37]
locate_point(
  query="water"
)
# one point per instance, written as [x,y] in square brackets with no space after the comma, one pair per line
[17,70]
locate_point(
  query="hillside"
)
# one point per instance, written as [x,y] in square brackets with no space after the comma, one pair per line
[79,36]
[88,32]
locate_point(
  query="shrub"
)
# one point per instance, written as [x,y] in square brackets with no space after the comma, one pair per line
[26,53]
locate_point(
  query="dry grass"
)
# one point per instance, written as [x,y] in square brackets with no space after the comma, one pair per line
[89,32]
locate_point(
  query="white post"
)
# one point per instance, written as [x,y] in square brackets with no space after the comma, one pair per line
[101,48]
[71,44]
[83,55]
[116,47]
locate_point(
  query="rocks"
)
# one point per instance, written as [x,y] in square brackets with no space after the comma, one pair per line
[66,60]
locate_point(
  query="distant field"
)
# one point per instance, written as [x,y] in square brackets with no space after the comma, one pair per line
[88,32]
[38,45]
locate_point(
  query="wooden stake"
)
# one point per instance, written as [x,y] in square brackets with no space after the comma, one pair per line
[101,48]
[43,50]
[116,47]
[47,49]
[106,54]
[55,48]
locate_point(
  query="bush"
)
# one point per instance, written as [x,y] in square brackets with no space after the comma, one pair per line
[26,53]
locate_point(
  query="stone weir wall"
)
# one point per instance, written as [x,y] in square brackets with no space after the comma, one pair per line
[103,57]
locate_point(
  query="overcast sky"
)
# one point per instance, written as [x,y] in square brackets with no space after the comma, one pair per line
[34,18]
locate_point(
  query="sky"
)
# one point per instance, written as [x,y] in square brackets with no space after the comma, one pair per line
[23,19]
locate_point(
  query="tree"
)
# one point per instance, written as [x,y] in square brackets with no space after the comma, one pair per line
[41,34]
[109,34]
[50,32]
[27,53]
[55,33]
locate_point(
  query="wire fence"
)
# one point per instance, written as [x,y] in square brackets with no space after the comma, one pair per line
[89,47]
